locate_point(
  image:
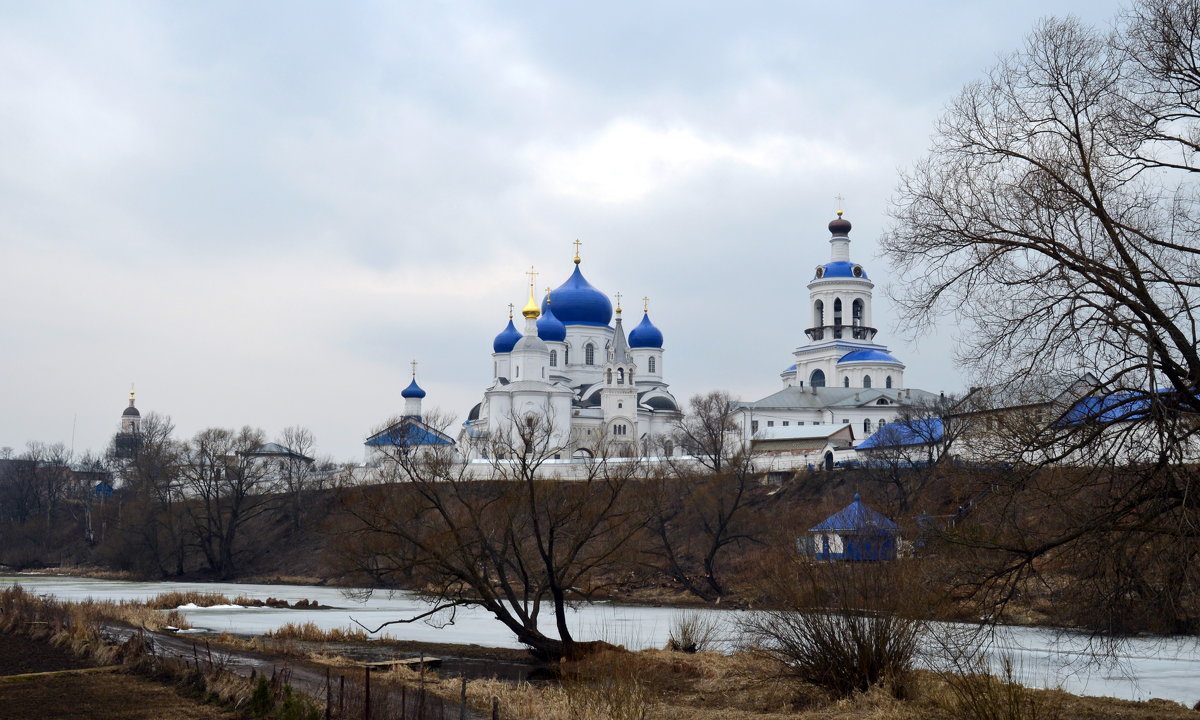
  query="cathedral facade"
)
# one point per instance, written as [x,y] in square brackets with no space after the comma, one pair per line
[840,374]
[592,389]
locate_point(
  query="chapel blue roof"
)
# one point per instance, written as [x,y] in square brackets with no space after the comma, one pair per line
[550,328]
[874,356]
[645,335]
[789,369]
[856,518]
[413,390]
[577,302]
[507,338]
[409,432]
[1108,408]
[902,433]
[842,269]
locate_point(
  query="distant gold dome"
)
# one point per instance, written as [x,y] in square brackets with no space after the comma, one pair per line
[531,309]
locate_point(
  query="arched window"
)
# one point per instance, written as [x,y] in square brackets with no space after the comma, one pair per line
[856,312]
[866,381]
[818,314]
[620,376]
[882,422]
[609,375]
[817,379]
[518,371]
[589,354]
[837,311]
[567,355]
[867,426]
[887,382]
[846,381]
[651,364]
[553,358]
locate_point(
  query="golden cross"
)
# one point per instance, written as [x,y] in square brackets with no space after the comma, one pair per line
[510,309]
[532,277]
[618,302]
[577,244]
[547,294]
[841,201]
[414,365]
[646,304]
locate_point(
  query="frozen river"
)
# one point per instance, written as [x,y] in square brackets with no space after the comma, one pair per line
[1139,669]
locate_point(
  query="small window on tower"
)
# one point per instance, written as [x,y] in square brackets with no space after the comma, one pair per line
[887,382]
[650,364]
[553,358]
[589,354]
[845,382]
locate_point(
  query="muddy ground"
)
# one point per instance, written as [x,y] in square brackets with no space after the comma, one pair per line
[107,695]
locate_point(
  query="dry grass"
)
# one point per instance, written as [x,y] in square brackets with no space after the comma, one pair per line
[309,632]
[176,598]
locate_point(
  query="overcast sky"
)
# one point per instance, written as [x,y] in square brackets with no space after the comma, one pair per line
[261,212]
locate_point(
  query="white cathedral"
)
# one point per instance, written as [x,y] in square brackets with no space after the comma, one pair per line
[572,366]
[840,375]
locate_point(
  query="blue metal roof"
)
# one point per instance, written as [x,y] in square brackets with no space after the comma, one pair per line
[409,432]
[856,518]
[905,432]
[645,335]
[577,302]
[789,369]
[873,356]
[1108,408]
[842,269]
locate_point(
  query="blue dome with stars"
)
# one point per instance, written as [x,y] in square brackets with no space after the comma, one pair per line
[413,390]
[549,327]
[645,335]
[576,302]
[507,338]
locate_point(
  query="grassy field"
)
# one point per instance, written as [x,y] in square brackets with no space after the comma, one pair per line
[31,686]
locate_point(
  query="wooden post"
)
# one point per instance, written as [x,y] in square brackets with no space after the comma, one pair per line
[341,695]
[421,695]
[328,694]
[495,708]
[367,694]
[462,698]
[404,702]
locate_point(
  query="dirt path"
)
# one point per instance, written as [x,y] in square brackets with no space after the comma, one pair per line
[306,677]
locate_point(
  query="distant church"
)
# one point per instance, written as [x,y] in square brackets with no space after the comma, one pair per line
[839,375]
[128,440]
[572,366]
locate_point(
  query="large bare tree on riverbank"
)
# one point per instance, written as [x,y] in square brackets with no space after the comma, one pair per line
[518,545]
[1056,220]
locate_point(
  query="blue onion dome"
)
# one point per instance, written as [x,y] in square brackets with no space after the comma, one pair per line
[549,327]
[576,302]
[645,335]
[507,339]
[413,390]
[871,356]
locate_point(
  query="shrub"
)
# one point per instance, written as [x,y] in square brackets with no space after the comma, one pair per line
[693,632]
[844,628]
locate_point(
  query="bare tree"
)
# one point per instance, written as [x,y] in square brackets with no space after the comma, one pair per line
[696,518]
[709,432]
[298,473]
[515,543]
[228,486]
[1056,219]
[153,518]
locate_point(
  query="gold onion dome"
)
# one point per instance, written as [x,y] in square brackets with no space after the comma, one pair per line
[531,309]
